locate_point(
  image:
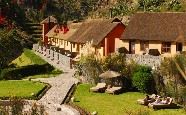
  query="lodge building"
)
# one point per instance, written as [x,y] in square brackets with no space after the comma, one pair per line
[163,32]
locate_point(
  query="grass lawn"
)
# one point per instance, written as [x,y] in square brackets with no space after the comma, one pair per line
[20,88]
[28,57]
[123,104]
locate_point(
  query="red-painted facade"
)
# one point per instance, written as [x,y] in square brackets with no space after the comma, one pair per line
[46,28]
[109,42]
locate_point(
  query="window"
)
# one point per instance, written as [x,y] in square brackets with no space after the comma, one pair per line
[78,47]
[50,40]
[53,40]
[144,45]
[166,47]
[61,42]
[179,46]
[74,45]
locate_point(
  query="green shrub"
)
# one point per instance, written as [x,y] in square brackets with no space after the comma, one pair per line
[142,79]
[115,62]
[19,73]
[90,68]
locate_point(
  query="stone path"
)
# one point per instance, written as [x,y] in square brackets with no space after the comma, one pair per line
[54,63]
[56,94]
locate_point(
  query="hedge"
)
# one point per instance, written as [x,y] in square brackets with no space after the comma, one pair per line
[21,72]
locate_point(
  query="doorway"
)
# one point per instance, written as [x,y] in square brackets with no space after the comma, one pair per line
[179,47]
[132,47]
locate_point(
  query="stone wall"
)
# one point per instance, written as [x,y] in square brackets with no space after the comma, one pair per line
[54,56]
[149,60]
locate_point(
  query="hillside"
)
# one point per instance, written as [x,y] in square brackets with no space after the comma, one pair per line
[120,8]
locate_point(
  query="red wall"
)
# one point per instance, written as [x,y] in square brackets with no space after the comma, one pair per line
[46,30]
[115,33]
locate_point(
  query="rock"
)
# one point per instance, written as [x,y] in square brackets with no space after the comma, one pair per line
[72,99]
[29,79]
[94,113]
[32,94]
[58,109]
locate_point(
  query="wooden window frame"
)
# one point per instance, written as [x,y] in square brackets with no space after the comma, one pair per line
[144,45]
[166,47]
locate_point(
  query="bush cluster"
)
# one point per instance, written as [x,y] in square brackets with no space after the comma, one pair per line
[142,79]
[21,72]
[133,76]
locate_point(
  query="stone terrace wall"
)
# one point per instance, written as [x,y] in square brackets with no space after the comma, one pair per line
[54,56]
[148,60]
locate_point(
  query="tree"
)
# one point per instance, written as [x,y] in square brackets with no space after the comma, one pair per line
[115,62]
[174,5]
[10,46]
[90,68]
[173,72]
[150,5]
[123,7]
[13,13]
[87,6]
[64,10]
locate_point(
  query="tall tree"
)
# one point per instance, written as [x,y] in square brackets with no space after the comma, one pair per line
[10,46]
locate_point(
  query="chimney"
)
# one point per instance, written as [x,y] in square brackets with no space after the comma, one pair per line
[65,29]
[111,10]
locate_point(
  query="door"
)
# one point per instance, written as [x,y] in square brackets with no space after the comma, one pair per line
[132,47]
[179,47]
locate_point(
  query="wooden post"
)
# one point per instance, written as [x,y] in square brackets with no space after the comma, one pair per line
[106,46]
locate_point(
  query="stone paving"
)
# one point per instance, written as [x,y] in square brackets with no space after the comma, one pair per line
[61,85]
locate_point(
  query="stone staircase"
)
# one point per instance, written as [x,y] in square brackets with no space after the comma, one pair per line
[34,29]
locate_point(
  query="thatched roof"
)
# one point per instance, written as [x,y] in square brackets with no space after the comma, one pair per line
[156,26]
[52,32]
[95,30]
[49,19]
[73,27]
